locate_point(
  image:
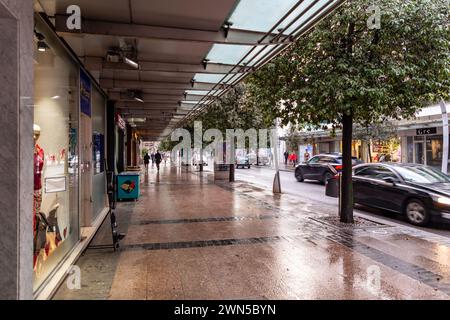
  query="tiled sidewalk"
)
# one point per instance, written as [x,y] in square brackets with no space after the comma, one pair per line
[188,238]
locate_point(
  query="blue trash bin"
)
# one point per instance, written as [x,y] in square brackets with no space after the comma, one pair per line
[128,186]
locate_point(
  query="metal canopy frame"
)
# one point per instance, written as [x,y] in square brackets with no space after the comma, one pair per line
[173,54]
[299,31]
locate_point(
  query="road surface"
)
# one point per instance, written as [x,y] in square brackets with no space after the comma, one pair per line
[314,192]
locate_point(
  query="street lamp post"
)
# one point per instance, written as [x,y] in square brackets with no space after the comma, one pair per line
[276,180]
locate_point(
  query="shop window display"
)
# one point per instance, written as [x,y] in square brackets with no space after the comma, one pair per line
[55,209]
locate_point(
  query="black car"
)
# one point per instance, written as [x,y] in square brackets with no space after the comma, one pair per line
[419,192]
[321,167]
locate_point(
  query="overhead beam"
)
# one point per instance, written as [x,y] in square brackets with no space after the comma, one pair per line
[99,63]
[231,36]
[131,84]
[146,105]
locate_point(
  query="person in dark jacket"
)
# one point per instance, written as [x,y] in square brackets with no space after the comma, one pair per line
[158,159]
[146,160]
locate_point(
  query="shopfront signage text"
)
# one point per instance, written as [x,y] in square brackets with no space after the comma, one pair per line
[424,131]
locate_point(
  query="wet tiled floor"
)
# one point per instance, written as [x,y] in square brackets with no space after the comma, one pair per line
[188,238]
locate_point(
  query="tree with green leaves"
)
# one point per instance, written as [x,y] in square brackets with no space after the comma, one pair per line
[345,72]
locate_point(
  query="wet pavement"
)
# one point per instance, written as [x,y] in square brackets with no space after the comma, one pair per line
[191,238]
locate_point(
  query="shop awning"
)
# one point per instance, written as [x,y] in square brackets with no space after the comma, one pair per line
[188,53]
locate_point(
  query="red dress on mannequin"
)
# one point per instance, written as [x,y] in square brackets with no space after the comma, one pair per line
[37,195]
[38,165]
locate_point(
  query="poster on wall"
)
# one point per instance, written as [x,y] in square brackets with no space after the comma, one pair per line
[55,184]
[85,93]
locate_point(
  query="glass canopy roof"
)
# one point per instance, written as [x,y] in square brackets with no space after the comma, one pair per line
[260,16]
[253,14]
[215,78]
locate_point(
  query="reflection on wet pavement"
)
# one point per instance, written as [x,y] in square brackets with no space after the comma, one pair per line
[191,238]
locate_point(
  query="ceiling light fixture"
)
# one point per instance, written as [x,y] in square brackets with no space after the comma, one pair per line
[137,95]
[131,63]
[41,45]
[113,56]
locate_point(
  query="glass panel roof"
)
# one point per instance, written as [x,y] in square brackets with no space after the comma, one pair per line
[253,14]
[304,19]
[203,92]
[227,53]
[214,78]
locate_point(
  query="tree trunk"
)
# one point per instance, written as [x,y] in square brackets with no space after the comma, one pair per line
[346,203]
[369,145]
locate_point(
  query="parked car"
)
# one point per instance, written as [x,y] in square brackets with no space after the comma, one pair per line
[242,162]
[419,192]
[321,167]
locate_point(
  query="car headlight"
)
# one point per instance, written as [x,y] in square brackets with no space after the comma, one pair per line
[443,200]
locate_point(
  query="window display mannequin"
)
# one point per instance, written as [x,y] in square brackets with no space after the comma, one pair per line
[53,236]
[37,195]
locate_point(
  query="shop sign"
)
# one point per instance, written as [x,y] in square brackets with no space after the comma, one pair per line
[85,93]
[120,122]
[424,131]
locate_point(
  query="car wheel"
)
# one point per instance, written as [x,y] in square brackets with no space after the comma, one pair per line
[299,175]
[417,213]
[327,175]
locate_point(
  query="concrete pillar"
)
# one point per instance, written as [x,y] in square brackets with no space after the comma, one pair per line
[16,149]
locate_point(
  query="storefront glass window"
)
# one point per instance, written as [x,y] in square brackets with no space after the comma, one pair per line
[434,151]
[55,209]
[98,152]
[410,149]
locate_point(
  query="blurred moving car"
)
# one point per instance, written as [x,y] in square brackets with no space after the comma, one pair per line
[419,192]
[321,167]
[242,162]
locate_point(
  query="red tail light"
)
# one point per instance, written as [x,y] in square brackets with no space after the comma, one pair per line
[339,167]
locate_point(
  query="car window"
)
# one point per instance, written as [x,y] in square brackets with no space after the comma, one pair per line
[355,160]
[375,172]
[326,160]
[422,174]
[313,160]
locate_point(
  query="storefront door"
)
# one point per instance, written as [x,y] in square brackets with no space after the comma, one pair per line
[419,153]
[86,170]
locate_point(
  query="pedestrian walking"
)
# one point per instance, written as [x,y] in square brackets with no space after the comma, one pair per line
[146,161]
[286,156]
[158,159]
[294,159]
[153,159]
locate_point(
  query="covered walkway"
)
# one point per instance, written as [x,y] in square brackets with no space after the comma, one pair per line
[189,238]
